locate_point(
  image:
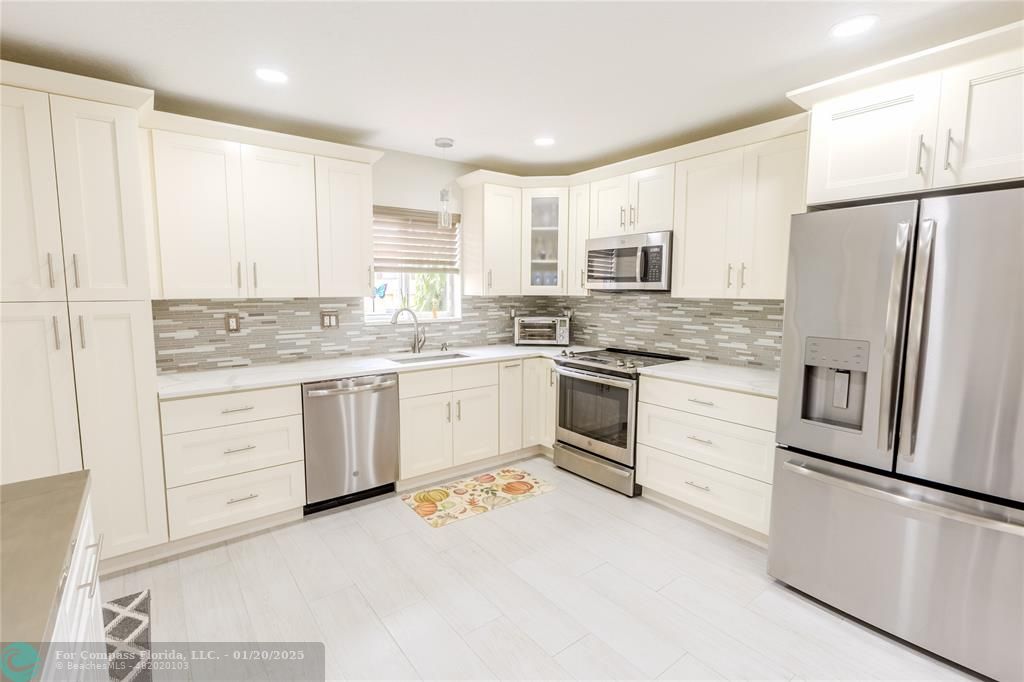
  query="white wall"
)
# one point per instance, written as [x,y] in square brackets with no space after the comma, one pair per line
[413,181]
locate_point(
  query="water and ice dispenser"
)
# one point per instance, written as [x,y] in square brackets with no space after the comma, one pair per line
[835,375]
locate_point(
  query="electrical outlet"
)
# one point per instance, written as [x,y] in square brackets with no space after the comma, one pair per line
[328,319]
[232,323]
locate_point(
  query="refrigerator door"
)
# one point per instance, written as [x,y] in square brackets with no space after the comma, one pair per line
[963,406]
[842,349]
[940,570]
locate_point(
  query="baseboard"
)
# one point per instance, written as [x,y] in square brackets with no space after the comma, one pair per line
[469,468]
[742,532]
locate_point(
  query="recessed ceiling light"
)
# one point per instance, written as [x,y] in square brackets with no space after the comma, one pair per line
[854,26]
[544,141]
[272,75]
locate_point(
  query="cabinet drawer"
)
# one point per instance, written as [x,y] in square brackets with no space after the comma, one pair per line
[739,408]
[205,506]
[74,601]
[474,376]
[740,449]
[196,456]
[736,498]
[429,382]
[190,414]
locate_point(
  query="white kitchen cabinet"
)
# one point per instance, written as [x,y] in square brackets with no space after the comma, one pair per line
[773,190]
[199,216]
[510,420]
[540,401]
[344,225]
[709,192]
[32,260]
[475,427]
[545,240]
[981,121]
[609,200]
[426,434]
[38,410]
[115,376]
[651,199]
[279,209]
[503,212]
[99,184]
[874,142]
[579,232]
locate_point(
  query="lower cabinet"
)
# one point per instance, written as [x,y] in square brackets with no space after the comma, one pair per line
[510,424]
[540,401]
[475,427]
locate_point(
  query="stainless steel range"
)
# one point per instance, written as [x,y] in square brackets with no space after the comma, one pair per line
[596,428]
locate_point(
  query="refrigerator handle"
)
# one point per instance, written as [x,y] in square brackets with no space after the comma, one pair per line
[908,426]
[893,322]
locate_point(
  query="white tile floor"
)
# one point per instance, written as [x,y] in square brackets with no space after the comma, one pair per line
[579,583]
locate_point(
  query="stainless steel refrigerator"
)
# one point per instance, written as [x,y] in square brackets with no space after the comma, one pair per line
[899,481]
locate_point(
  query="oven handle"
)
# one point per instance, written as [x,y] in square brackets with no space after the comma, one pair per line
[596,378]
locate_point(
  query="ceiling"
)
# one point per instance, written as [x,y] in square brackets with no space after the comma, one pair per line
[607,80]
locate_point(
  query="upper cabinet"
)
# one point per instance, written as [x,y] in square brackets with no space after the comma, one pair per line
[32,259]
[100,188]
[579,232]
[545,240]
[639,202]
[344,227]
[492,245]
[199,202]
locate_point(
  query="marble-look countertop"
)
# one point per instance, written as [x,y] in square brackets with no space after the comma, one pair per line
[756,381]
[207,382]
[39,520]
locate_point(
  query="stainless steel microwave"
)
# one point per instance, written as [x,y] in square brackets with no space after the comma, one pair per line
[541,331]
[632,261]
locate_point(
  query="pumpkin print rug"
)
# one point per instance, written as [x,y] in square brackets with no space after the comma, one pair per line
[443,504]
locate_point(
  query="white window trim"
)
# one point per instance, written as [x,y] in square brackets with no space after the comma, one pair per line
[371,319]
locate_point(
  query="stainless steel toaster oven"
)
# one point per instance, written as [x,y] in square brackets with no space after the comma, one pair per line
[541,331]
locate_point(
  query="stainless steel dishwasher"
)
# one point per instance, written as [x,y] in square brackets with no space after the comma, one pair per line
[351,438]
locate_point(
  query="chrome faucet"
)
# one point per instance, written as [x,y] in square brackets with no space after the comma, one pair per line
[418,338]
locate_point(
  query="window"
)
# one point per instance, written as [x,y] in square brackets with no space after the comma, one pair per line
[416,265]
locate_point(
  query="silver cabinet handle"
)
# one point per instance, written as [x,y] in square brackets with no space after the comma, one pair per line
[728,277]
[949,142]
[56,333]
[561,278]
[513,366]
[705,488]
[81,331]
[49,268]
[74,266]
[231,451]
[458,410]
[622,217]
[583,278]
[708,403]
[448,406]
[743,275]
[255,279]
[908,428]
[490,279]
[705,441]
[920,153]
[239,275]
[369,276]
[250,496]
[95,580]
[229,410]
[632,215]
[551,377]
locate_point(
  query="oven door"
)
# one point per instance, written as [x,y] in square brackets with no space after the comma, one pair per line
[597,413]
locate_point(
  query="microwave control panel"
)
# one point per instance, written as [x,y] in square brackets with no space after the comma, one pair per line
[653,263]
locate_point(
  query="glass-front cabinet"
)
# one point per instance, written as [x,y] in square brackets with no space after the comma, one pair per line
[545,240]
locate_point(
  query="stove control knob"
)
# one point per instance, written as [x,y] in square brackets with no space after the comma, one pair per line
[564,354]
[620,363]
[630,364]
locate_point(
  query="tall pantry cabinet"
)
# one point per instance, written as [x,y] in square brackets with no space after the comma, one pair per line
[76,330]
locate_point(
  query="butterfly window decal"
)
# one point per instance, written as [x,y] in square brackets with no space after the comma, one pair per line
[379,292]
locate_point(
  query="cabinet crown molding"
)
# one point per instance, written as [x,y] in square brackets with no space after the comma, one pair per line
[72,85]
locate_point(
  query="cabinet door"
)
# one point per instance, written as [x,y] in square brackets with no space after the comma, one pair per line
[38,411]
[773,190]
[344,227]
[579,232]
[279,206]
[608,203]
[99,184]
[503,212]
[426,434]
[199,216]
[981,121]
[652,199]
[708,198]
[539,402]
[115,373]
[32,262]
[550,408]
[475,431]
[874,142]
[545,237]
[511,420]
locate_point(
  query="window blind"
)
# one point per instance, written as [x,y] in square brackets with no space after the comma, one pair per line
[406,240]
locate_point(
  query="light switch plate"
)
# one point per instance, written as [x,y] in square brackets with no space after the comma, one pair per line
[232,323]
[328,319]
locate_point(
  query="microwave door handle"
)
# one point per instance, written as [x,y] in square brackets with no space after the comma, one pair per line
[641,264]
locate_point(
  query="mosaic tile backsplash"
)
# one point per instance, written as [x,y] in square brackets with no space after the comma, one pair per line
[190,334]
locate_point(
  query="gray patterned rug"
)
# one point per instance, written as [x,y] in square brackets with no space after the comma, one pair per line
[126,626]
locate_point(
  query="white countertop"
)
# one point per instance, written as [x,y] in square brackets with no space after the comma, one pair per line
[207,382]
[762,382]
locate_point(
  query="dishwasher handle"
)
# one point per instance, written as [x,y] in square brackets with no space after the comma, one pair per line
[320,393]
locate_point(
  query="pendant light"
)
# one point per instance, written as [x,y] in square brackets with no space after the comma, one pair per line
[444,214]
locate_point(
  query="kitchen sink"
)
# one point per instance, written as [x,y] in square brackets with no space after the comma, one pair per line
[429,358]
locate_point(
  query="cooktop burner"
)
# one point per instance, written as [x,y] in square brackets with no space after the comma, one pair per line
[615,360]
